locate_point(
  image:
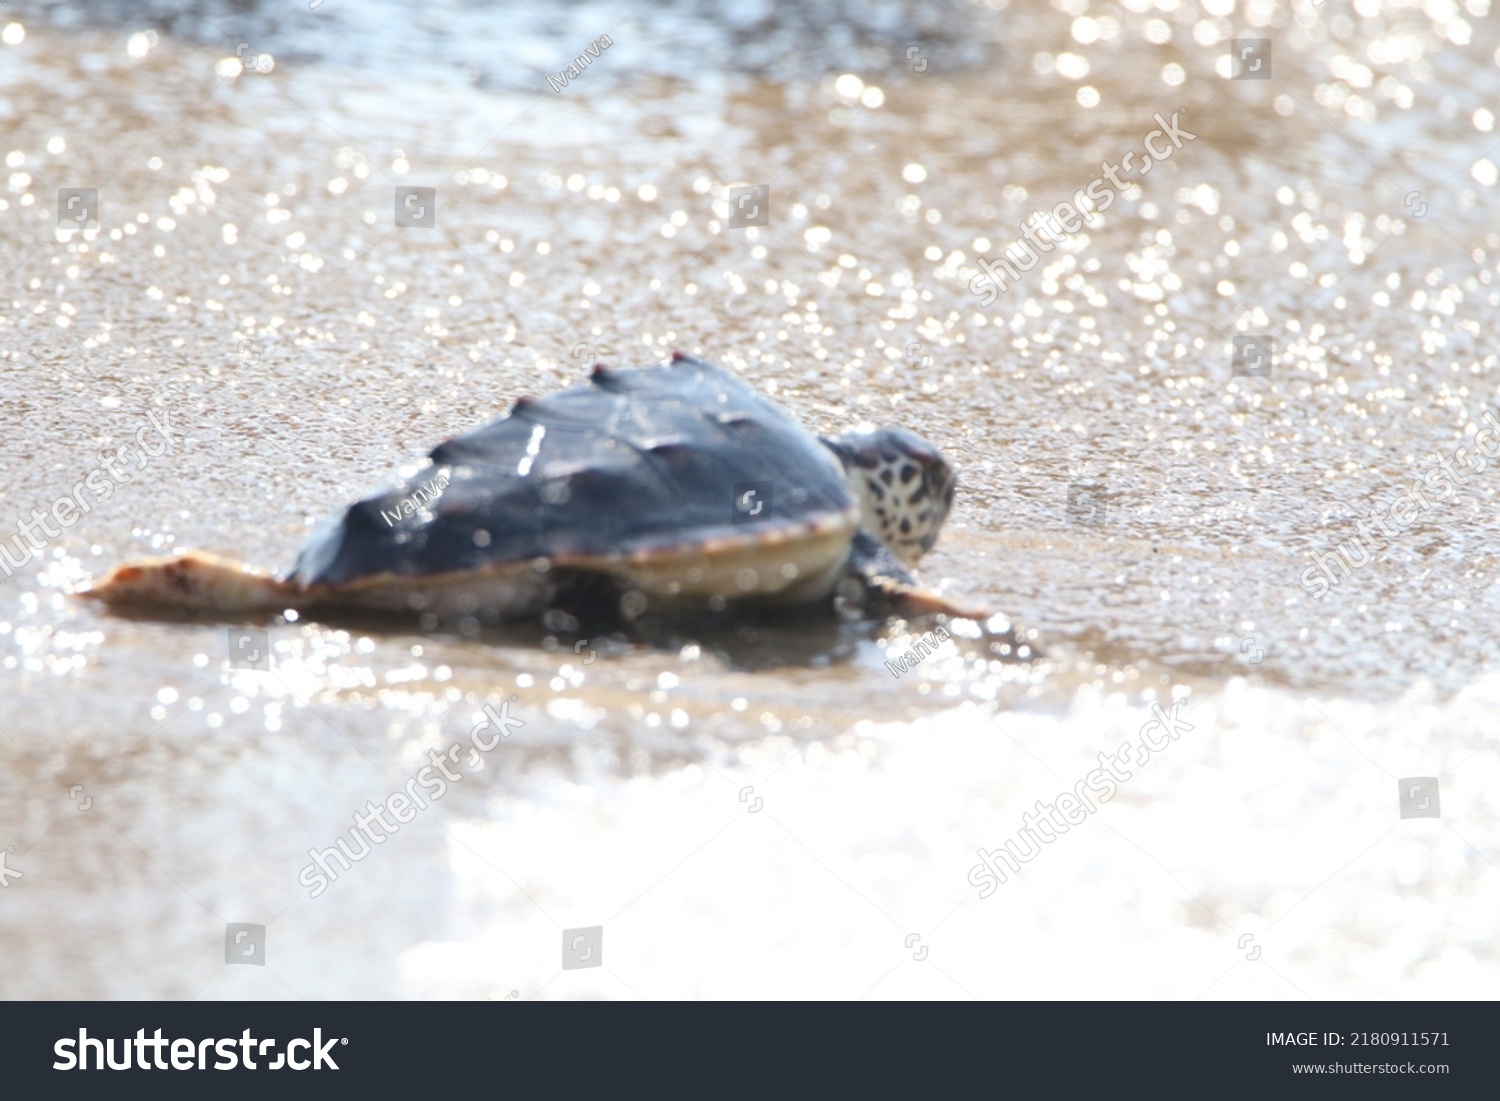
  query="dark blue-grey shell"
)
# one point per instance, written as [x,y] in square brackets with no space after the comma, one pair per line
[634,461]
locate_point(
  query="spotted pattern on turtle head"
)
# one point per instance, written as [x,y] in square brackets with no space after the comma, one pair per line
[905,487]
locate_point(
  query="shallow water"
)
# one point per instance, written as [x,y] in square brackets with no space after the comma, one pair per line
[738,830]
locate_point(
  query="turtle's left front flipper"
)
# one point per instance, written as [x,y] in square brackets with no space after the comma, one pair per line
[995,633]
[879,587]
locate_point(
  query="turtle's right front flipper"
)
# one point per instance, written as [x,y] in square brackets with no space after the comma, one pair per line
[194,582]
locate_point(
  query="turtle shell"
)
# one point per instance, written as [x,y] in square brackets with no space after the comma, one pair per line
[678,479]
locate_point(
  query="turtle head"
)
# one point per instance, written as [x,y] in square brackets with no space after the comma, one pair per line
[905,487]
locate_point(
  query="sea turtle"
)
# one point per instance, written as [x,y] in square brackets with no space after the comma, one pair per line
[663,489]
